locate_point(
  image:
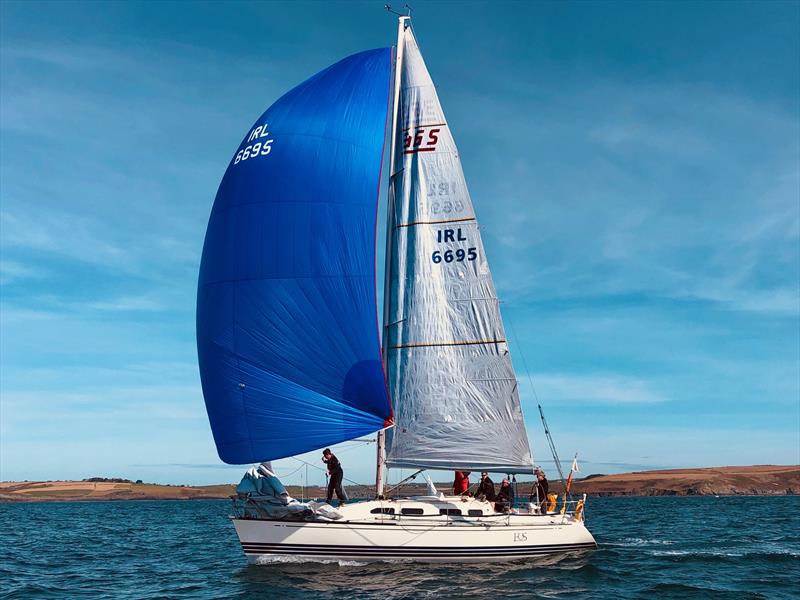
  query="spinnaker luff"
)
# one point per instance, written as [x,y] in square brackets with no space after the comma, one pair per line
[287,333]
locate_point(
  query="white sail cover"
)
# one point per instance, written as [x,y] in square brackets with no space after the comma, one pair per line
[449,371]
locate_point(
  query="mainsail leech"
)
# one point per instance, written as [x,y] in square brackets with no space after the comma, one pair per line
[450,374]
[287,344]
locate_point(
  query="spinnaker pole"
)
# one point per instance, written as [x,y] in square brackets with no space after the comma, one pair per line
[387,281]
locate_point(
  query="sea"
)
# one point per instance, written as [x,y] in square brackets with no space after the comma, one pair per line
[661,547]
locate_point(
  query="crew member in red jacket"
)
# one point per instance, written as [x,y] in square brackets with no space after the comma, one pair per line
[461,483]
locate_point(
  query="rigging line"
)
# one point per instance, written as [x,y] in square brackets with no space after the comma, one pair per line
[354,446]
[409,478]
[553,449]
[522,355]
[355,483]
[550,442]
[308,464]
[348,445]
[533,388]
[279,476]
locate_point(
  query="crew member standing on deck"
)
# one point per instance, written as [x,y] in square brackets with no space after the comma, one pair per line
[335,476]
[540,491]
[461,483]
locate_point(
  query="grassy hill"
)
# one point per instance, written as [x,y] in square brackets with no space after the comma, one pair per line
[768,480]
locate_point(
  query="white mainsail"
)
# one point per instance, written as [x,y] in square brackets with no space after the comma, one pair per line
[449,371]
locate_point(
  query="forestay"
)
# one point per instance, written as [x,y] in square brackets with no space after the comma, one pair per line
[449,371]
[287,332]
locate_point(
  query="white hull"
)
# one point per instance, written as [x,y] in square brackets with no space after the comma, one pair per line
[365,536]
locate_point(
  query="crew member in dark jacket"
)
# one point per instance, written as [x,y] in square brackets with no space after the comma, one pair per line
[336,474]
[540,491]
[486,488]
[505,497]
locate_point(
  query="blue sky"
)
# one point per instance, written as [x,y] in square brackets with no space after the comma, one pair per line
[635,168]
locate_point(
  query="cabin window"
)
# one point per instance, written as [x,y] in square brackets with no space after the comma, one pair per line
[475,512]
[453,512]
[382,511]
[412,511]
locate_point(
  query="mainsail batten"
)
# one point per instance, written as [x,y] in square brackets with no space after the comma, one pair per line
[449,372]
[286,325]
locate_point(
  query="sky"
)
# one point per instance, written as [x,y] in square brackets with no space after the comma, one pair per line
[635,168]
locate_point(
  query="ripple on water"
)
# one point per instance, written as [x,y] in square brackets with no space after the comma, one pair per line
[649,547]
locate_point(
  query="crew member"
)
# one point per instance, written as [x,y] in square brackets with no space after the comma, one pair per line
[461,483]
[505,498]
[335,476]
[540,491]
[486,488]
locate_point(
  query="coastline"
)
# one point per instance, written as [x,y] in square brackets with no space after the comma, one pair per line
[755,480]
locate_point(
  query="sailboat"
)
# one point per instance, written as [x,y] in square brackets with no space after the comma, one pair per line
[291,355]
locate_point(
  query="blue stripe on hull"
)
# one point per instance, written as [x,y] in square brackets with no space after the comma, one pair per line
[412,552]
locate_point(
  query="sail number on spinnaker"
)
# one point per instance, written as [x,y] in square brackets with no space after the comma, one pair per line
[259,148]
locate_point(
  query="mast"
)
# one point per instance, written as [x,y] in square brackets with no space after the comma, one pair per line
[387,277]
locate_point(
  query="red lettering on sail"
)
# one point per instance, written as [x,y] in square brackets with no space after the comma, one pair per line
[420,139]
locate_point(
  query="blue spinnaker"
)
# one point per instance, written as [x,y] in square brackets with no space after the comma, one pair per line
[287,331]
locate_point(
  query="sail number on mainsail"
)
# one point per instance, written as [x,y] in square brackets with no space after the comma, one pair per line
[448,256]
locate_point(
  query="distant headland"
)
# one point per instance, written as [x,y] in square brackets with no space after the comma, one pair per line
[757,480]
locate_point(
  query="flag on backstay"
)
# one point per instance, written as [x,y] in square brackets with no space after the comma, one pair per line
[573,469]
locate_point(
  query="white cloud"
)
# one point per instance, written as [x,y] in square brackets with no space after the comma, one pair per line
[595,389]
[680,446]
[671,191]
[61,233]
[11,271]
[113,410]
[127,303]
[19,315]
[783,301]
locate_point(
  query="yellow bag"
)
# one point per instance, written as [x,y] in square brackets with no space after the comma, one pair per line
[552,500]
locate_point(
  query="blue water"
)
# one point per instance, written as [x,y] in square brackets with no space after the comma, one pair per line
[649,547]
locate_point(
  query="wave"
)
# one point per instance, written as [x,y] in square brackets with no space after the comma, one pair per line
[678,589]
[755,553]
[635,541]
[272,560]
